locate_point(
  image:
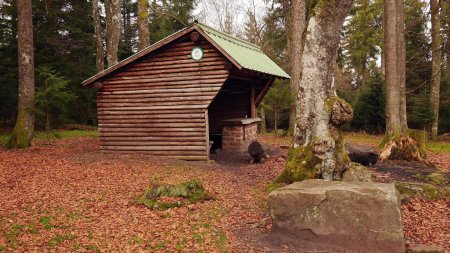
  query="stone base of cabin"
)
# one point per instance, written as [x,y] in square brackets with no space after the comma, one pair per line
[237,134]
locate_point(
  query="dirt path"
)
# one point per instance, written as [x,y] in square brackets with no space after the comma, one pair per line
[69,197]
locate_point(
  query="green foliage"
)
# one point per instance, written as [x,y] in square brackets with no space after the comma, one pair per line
[60,134]
[63,41]
[363,36]
[277,103]
[11,236]
[368,107]
[52,96]
[439,147]
[169,16]
[55,241]
[46,222]
[420,115]
[444,113]
[8,63]
[190,192]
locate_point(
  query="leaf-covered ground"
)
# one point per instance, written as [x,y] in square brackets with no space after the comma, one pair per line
[69,197]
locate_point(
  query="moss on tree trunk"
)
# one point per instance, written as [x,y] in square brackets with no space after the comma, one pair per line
[318,145]
[20,137]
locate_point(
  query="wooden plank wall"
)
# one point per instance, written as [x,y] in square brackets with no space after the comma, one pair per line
[158,104]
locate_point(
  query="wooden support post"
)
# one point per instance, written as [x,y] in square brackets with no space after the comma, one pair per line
[207,135]
[252,102]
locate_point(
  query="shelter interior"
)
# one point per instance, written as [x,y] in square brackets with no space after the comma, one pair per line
[238,99]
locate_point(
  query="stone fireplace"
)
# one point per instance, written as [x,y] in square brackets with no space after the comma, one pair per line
[237,134]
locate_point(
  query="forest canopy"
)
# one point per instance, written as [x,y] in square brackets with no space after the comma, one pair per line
[65,47]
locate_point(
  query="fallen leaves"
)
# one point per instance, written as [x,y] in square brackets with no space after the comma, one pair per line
[67,196]
[427,222]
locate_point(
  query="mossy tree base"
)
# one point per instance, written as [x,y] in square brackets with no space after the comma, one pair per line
[306,163]
[301,164]
[20,137]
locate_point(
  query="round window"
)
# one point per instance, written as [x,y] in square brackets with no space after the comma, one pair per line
[197,54]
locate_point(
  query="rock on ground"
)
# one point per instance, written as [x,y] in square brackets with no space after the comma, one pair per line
[363,154]
[357,174]
[365,217]
[422,248]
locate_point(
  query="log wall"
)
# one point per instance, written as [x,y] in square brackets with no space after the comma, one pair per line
[158,105]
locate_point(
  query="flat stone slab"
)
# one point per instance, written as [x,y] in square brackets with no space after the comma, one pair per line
[362,217]
[423,248]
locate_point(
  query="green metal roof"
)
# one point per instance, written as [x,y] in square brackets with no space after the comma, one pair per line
[249,56]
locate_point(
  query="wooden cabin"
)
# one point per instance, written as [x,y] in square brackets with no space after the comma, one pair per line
[192,92]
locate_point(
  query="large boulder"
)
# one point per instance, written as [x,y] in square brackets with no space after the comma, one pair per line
[363,217]
[363,154]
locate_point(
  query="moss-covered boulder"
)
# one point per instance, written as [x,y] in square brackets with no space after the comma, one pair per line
[409,190]
[162,197]
[357,173]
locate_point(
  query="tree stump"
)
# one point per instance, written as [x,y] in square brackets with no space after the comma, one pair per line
[257,152]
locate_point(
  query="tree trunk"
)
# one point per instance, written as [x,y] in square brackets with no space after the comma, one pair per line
[393,125]
[318,147]
[142,23]
[22,134]
[112,10]
[263,121]
[127,29]
[275,121]
[401,62]
[397,143]
[436,64]
[297,23]
[99,54]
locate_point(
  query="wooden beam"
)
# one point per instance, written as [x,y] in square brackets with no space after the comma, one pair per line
[264,90]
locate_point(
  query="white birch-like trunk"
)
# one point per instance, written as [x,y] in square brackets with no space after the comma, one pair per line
[99,52]
[318,149]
